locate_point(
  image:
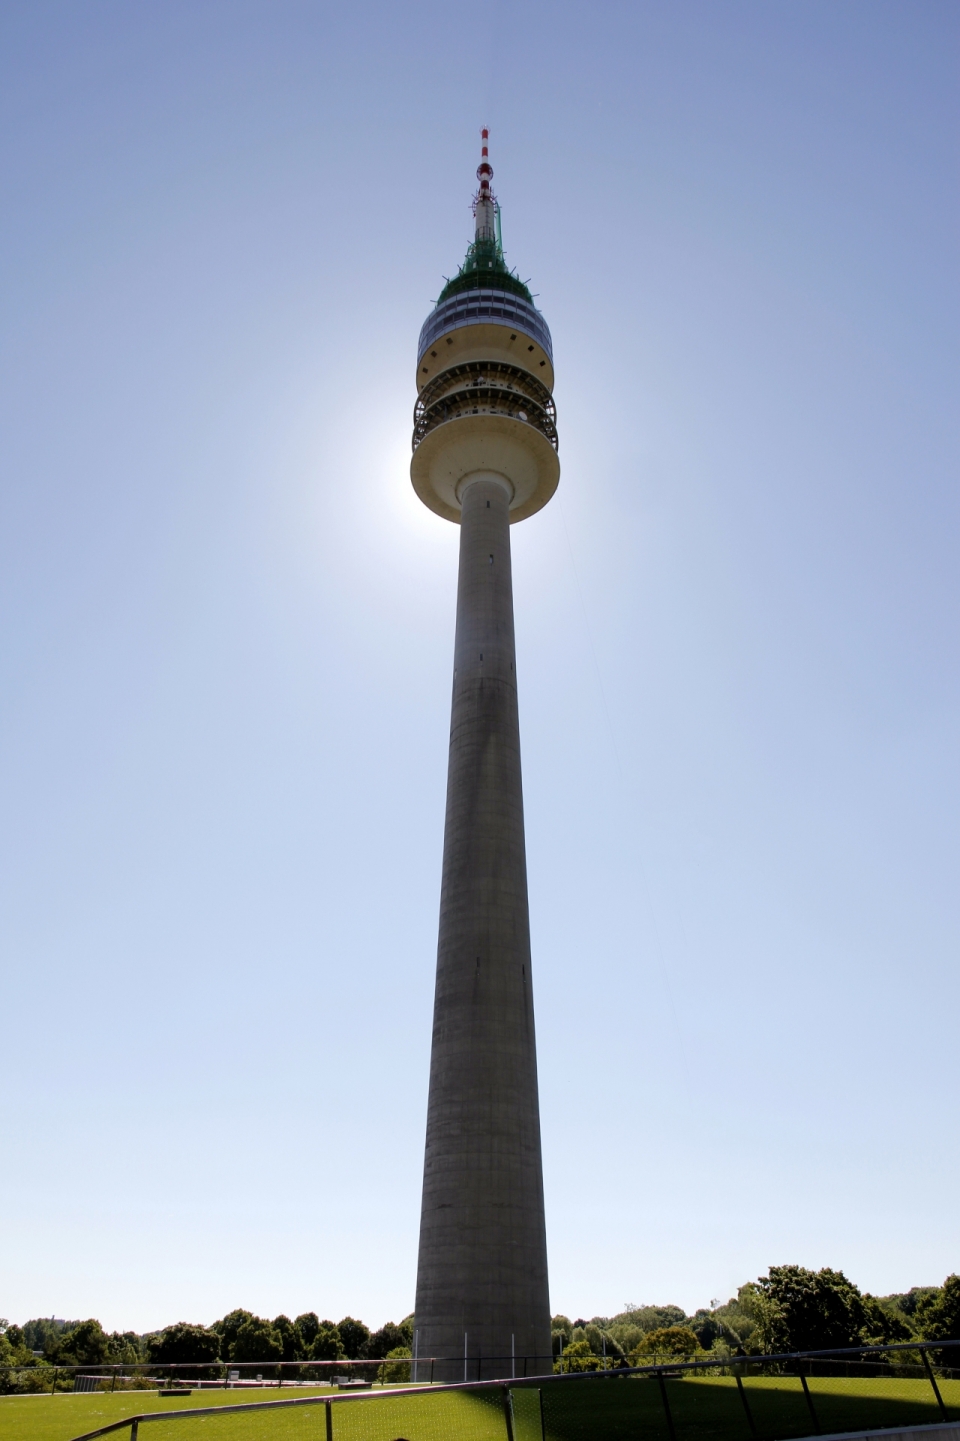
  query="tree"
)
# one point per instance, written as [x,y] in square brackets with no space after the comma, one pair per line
[938,1319]
[257,1340]
[290,1338]
[651,1318]
[308,1326]
[665,1341]
[183,1344]
[800,1310]
[43,1333]
[578,1357]
[884,1325]
[86,1345]
[601,1342]
[399,1373]
[327,1345]
[227,1330]
[355,1337]
[388,1338]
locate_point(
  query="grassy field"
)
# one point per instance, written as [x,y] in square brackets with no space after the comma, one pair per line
[617,1409]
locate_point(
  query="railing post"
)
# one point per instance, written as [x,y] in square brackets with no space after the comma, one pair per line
[809,1399]
[53,1383]
[507,1411]
[743,1397]
[134,1428]
[666,1405]
[543,1427]
[933,1382]
[328,1408]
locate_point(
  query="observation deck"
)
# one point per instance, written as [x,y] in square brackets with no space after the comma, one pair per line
[485,381]
[473,307]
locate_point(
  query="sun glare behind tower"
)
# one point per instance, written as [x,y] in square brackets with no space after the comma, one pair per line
[484,455]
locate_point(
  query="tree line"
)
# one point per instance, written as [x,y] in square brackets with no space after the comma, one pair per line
[789,1309]
[239,1336]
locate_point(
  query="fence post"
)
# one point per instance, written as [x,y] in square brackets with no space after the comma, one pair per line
[543,1427]
[743,1397]
[134,1428]
[328,1408]
[53,1383]
[666,1405]
[507,1411]
[933,1382]
[809,1398]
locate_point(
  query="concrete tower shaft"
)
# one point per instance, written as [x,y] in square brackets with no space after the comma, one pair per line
[482,1279]
[484,455]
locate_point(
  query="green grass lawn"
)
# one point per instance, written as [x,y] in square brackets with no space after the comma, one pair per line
[592,1409]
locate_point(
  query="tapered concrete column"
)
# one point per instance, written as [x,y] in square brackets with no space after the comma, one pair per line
[483,1255]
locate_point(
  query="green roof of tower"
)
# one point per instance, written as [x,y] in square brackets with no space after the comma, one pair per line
[485,268]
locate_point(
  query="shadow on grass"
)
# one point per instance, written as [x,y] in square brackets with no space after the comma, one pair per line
[711,1409]
[611,1408]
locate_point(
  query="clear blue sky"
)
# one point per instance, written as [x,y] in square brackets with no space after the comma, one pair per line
[227,632]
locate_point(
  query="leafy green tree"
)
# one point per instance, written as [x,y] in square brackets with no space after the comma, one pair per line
[183,1344]
[800,1310]
[578,1357]
[601,1342]
[388,1338]
[561,1330]
[399,1372]
[908,1301]
[651,1318]
[725,1327]
[308,1325]
[16,1359]
[228,1328]
[884,1325]
[290,1338]
[938,1319]
[677,1341]
[355,1337]
[257,1340]
[327,1345]
[43,1333]
[86,1345]
[707,1328]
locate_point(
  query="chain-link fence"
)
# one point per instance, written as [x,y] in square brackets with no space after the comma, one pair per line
[757,1398]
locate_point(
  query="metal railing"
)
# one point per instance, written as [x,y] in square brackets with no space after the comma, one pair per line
[368,1371]
[556,1392]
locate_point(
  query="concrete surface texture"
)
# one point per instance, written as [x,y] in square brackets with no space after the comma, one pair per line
[935,1431]
[482,1275]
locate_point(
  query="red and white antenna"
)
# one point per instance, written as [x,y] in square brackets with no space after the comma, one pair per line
[484,169]
[485,204]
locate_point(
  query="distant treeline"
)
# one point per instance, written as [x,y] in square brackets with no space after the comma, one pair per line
[789,1309]
[238,1336]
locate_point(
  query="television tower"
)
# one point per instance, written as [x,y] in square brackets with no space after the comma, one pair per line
[484,456]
